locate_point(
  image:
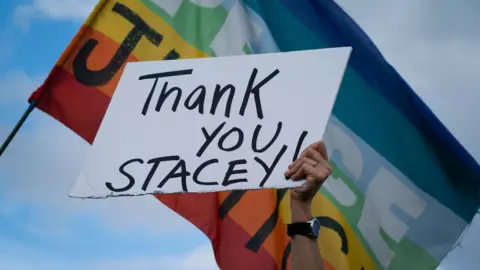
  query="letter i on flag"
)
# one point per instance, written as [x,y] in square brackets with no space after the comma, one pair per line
[397,171]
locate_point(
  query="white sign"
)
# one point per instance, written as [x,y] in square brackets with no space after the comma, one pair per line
[211,124]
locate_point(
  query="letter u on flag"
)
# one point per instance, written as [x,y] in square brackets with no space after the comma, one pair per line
[397,172]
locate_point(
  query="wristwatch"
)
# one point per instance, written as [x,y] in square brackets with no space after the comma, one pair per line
[310,229]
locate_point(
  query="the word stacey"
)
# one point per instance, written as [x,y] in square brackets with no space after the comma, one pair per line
[223,137]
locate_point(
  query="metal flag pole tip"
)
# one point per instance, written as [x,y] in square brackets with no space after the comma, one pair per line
[19,124]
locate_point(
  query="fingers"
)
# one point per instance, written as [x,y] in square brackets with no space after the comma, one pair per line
[307,167]
[321,148]
[312,162]
[313,166]
[310,153]
[316,174]
[298,172]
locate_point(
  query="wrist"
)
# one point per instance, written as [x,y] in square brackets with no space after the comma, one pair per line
[300,211]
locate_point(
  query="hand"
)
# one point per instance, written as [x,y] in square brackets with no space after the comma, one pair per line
[313,166]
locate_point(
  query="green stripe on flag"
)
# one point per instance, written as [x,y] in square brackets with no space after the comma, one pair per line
[289,33]
[404,250]
[197,25]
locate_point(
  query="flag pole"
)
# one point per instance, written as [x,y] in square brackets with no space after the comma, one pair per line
[101,4]
[19,124]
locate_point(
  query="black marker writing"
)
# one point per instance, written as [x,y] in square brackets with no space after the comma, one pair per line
[234,167]
[217,96]
[221,141]
[164,95]
[269,169]
[231,171]
[174,174]
[131,179]
[199,101]
[209,138]
[255,138]
[219,93]
[239,139]
[255,91]
[171,97]
[200,169]
[299,145]
[156,162]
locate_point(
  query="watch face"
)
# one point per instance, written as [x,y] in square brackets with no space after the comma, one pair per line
[315,225]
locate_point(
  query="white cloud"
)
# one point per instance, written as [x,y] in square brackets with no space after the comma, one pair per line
[66,10]
[200,258]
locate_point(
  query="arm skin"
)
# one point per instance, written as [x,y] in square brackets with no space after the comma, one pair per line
[305,251]
[313,166]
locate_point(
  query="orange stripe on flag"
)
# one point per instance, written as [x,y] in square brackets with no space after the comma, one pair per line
[254,213]
[67,52]
[99,57]
[244,209]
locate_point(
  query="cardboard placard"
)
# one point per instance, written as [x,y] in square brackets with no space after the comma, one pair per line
[212,124]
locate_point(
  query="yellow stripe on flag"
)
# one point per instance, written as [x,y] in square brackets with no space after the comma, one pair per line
[329,241]
[117,28]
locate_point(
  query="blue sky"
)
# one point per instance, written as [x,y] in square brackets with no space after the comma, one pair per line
[42,228]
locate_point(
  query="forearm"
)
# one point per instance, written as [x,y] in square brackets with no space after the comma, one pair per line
[305,251]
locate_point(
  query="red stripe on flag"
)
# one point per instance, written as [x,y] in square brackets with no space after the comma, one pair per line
[231,252]
[81,108]
[228,237]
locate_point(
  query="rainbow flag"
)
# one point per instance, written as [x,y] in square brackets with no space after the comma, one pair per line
[402,190]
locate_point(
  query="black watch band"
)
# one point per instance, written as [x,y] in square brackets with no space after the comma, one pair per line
[310,229]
